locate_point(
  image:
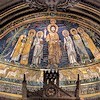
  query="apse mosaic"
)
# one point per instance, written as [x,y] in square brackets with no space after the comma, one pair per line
[49,43]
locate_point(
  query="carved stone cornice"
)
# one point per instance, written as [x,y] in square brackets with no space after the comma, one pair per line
[35,4]
[63,6]
[13,10]
[52,5]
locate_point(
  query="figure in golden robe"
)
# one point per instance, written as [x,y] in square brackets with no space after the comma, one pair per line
[27,47]
[53,43]
[15,56]
[89,43]
[81,50]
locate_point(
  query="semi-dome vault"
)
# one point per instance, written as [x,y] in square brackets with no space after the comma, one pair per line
[36,44]
[22,23]
[38,35]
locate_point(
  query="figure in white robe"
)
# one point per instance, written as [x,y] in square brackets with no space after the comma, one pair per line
[68,44]
[79,46]
[38,48]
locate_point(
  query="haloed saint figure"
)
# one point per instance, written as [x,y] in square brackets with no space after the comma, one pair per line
[53,43]
[69,47]
[17,51]
[79,45]
[38,48]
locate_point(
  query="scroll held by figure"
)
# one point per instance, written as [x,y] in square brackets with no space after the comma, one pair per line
[54,49]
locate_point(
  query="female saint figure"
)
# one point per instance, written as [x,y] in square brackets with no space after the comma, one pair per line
[17,51]
[26,49]
[38,50]
[68,44]
[54,49]
[79,46]
[89,43]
